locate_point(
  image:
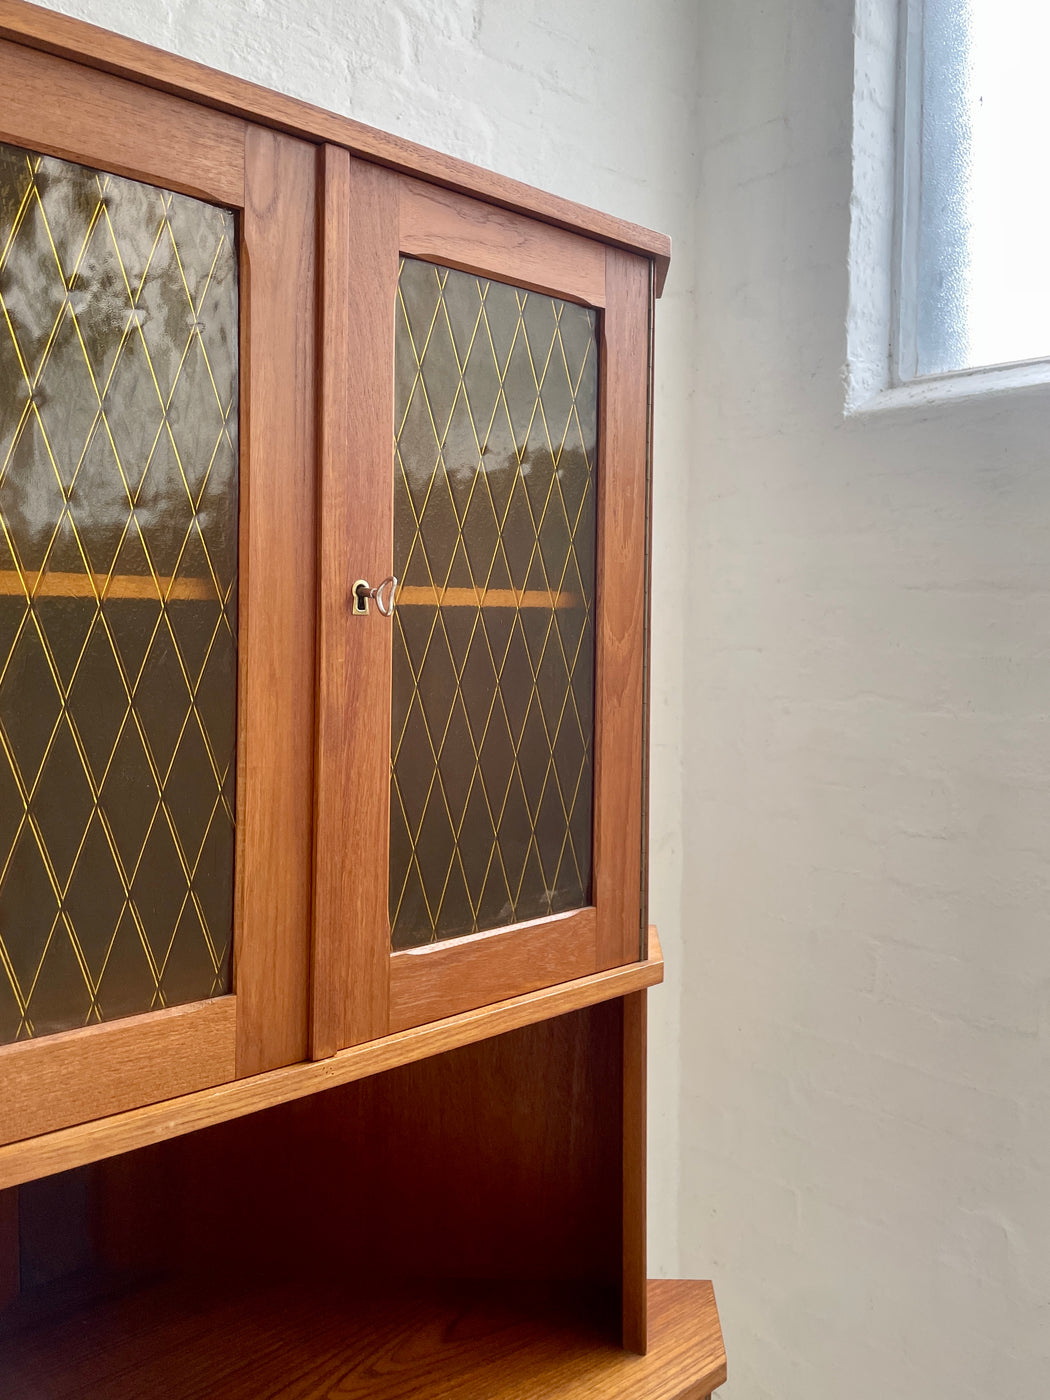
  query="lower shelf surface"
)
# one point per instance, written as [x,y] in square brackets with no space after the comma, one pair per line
[303,1341]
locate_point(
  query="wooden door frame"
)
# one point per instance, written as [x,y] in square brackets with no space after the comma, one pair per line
[361,990]
[60,108]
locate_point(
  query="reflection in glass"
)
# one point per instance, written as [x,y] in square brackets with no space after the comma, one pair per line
[118,568]
[494,541]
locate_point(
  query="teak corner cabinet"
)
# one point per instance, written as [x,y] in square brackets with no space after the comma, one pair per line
[324,522]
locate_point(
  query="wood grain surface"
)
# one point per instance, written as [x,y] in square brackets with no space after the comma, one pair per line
[105,1069]
[65,109]
[423,1342]
[620,632]
[351,866]
[634,1144]
[90,1142]
[278,599]
[334,885]
[444,979]
[464,233]
[499,1159]
[53,33]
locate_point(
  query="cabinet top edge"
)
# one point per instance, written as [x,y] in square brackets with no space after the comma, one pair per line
[88,44]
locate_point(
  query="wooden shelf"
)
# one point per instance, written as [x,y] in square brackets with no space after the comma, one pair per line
[105,587]
[416,596]
[307,1340]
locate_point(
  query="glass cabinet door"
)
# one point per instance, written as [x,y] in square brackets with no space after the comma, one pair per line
[491,801]
[150,760]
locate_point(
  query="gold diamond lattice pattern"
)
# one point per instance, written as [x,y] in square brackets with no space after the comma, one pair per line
[118,566]
[494,542]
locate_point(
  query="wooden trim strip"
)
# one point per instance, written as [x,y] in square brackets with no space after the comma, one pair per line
[443,979]
[57,1080]
[456,231]
[112,53]
[331,974]
[90,1142]
[103,587]
[65,110]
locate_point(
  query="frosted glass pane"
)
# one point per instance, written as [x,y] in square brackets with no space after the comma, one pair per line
[983,293]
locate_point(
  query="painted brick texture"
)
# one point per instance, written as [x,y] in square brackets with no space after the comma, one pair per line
[865,1122]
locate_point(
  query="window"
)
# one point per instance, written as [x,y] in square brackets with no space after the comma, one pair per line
[973,271]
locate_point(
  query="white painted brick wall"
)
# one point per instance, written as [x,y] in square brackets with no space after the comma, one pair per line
[866,1046]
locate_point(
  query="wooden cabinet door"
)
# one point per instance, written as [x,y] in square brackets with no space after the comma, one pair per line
[480,751]
[157,441]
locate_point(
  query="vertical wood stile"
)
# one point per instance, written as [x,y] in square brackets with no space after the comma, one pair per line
[277,601]
[647,692]
[351,951]
[620,640]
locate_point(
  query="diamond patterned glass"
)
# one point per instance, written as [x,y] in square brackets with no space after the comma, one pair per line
[118,567]
[496,411]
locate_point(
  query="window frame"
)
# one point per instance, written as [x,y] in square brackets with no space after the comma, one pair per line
[908,107]
[907,203]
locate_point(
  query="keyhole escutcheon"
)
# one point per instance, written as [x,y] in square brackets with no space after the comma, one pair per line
[383,593]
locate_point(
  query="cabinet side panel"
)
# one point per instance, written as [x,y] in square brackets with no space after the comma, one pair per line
[635,1284]
[351,926]
[278,600]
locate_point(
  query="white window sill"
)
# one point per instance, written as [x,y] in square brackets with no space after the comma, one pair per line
[946,388]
